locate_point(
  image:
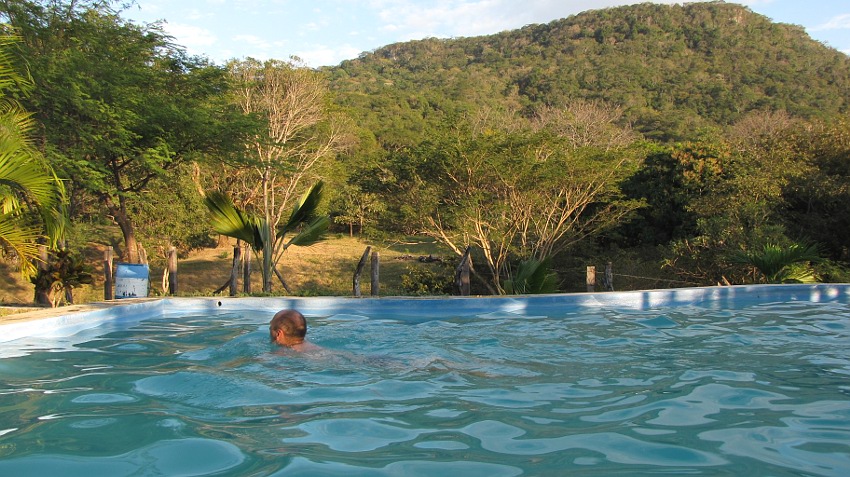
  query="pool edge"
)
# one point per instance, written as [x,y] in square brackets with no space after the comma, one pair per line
[66,320]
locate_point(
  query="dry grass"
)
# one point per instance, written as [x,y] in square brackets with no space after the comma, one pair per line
[326,268]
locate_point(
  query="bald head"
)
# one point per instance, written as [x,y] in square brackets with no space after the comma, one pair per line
[288,327]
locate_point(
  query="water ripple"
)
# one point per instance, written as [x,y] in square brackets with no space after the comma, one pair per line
[503,438]
[186,457]
[755,391]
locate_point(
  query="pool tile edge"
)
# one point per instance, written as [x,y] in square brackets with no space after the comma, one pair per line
[72,319]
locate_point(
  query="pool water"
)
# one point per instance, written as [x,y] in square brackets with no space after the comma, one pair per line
[761,390]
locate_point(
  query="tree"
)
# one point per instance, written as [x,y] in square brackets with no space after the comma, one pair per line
[766,164]
[518,195]
[349,200]
[817,200]
[673,180]
[355,207]
[258,232]
[65,271]
[712,198]
[27,184]
[119,103]
[166,215]
[298,131]
[587,124]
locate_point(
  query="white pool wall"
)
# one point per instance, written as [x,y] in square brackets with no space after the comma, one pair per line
[106,316]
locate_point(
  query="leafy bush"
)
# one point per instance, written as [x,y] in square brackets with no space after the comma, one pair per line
[435,279]
[64,272]
[781,264]
[532,277]
[832,272]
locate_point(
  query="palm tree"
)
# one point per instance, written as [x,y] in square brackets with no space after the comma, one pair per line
[532,277]
[32,198]
[255,230]
[778,264]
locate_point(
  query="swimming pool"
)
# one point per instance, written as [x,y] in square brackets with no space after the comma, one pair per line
[712,381]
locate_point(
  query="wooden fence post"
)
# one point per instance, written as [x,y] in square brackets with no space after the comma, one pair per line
[591,278]
[462,273]
[234,271]
[172,271]
[143,254]
[246,271]
[359,270]
[609,277]
[376,265]
[107,274]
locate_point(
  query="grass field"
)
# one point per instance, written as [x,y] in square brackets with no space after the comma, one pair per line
[326,268]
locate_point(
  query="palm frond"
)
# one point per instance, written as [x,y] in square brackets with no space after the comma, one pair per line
[797,273]
[10,78]
[21,167]
[27,183]
[228,220]
[533,277]
[775,262]
[20,237]
[311,233]
[306,207]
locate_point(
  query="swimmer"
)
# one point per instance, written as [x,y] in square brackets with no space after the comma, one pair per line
[289,328]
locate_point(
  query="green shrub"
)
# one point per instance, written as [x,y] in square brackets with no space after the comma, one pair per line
[64,272]
[436,278]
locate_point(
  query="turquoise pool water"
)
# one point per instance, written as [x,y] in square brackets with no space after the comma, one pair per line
[622,384]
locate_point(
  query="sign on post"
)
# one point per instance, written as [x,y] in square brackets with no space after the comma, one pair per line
[131,280]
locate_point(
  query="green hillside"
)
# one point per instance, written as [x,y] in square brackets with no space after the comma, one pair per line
[674,69]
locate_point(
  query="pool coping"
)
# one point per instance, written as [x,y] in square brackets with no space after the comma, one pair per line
[40,313]
[66,321]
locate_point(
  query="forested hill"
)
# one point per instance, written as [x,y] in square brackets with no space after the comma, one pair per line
[674,69]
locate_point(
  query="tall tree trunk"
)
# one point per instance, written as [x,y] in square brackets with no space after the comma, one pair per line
[42,295]
[269,237]
[131,246]
[267,271]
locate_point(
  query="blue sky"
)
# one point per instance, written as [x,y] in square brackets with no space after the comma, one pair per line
[326,32]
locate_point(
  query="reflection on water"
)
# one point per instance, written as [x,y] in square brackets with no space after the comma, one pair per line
[761,390]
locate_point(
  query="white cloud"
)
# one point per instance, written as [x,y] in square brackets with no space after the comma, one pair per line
[150,8]
[195,14]
[190,36]
[749,3]
[250,39]
[840,22]
[258,47]
[321,55]
[253,40]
